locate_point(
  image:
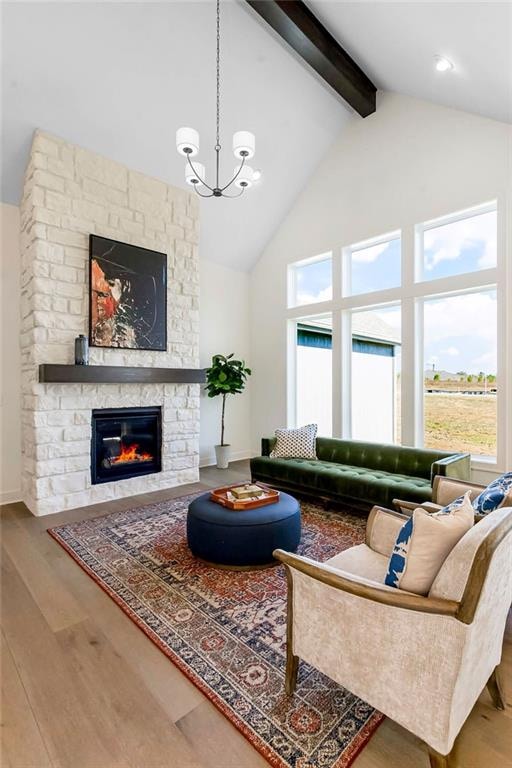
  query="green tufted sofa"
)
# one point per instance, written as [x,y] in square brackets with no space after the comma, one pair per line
[361,474]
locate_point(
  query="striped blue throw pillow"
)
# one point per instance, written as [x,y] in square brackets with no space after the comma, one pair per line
[494,495]
[398,559]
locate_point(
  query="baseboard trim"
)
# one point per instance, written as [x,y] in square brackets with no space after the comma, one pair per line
[10,497]
[208,459]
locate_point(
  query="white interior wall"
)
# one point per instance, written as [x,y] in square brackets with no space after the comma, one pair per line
[224,328]
[10,399]
[409,162]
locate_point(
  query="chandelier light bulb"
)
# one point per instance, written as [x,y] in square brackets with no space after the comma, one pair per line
[194,175]
[245,179]
[256,176]
[244,144]
[187,141]
[443,64]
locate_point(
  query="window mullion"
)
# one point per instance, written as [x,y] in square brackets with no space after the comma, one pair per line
[407,375]
[291,368]
[345,381]
[337,366]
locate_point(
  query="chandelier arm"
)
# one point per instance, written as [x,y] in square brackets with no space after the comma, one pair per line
[200,193]
[242,190]
[198,176]
[234,177]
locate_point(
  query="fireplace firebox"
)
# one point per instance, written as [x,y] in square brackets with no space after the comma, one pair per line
[126,442]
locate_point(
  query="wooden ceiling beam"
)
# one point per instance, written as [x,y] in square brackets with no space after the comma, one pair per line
[300,28]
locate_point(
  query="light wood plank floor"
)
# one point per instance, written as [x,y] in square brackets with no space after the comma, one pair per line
[82,687]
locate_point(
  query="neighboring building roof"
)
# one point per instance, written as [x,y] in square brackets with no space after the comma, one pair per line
[365,325]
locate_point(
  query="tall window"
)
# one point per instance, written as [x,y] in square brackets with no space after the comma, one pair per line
[460,381]
[314,372]
[375,371]
[415,356]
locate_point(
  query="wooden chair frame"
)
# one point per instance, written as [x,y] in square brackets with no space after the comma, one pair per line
[408,507]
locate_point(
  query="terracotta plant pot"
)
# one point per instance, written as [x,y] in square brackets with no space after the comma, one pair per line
[222,456]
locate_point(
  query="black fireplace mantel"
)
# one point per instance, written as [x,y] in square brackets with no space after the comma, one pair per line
[50,373]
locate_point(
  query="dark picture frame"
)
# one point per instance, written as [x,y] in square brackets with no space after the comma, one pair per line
[127,296]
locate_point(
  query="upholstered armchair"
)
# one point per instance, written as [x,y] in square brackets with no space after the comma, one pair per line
[421,660]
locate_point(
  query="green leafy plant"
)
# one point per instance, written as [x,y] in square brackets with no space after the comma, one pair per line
[226,377]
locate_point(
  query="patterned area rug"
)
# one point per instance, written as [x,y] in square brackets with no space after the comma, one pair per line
[226,630]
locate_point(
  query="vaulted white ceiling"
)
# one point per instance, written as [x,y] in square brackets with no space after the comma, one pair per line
[395,44]
[119,78]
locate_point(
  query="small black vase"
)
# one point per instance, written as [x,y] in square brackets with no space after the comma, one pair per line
[81,350]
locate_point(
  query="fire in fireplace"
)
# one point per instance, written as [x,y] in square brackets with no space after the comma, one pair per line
[126,442]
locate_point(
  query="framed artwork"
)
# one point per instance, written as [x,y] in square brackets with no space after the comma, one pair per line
[127,296]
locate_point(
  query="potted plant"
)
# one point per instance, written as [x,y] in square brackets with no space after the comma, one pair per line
[225,377]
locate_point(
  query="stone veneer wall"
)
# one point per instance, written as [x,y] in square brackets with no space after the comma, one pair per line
[70,192]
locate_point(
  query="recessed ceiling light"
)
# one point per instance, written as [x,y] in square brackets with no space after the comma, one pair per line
[443,64]
[256,175]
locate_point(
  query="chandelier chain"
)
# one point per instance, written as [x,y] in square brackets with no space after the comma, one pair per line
[218,75]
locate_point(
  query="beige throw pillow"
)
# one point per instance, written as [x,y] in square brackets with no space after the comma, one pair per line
[424,543]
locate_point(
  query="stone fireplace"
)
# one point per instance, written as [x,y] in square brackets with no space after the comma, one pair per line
[70,193]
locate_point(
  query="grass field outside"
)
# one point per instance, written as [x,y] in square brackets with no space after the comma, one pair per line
[461,423]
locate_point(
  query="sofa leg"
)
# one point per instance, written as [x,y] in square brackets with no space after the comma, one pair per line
[495,689]
[292,670]
[437,760]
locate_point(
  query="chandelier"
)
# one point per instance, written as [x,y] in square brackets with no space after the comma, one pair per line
[187,144]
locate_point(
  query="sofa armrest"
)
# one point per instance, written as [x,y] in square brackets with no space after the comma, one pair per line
[382,529]
[408,507]
[267,445]
[363,588]
[447,489]
[458,465]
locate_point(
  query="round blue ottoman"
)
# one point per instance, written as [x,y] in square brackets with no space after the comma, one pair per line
[242,539]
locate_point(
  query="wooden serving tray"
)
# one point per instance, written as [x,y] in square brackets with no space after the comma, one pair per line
[219,496]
